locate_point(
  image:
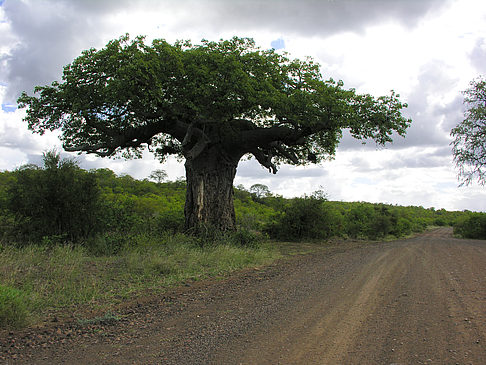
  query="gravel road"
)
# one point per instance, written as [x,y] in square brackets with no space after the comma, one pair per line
[414,301]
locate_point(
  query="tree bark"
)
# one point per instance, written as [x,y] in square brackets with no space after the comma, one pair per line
[209,194]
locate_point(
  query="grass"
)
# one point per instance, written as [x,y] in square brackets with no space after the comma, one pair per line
[37,282]
[13,308]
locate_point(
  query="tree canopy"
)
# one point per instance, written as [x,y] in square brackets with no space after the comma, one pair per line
[469,144]
[211,104]
[176,99]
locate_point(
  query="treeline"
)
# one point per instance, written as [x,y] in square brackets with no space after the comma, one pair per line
[314,217]
[60,202]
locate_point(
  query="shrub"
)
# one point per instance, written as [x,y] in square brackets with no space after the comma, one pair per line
[245,238]
[107,243]
[402,227]
[473,226]
[358,221]
[306,218]
[59,199]
[13,307]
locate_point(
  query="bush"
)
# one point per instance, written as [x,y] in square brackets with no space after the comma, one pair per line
[57,200]
[473,226]
[13,307]
[402,227]
[245,238]
[107,243]
[358,221]
[306,218]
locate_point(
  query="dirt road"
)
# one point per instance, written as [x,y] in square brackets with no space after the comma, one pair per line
[416,301]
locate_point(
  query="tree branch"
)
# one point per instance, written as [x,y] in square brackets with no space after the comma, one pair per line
[133,137]
[264,159]
[285,153]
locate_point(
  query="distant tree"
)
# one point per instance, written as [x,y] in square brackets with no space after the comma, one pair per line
[469,145]
[319,194]
[241,187]
[158,176]
[260,191]
[211,104]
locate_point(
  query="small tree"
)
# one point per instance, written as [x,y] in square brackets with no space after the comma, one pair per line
[307,218]
[469,145]
[158,176]
[260,191]
[58,199]
[211,104]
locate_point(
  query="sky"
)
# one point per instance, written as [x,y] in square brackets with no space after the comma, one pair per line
[428,51]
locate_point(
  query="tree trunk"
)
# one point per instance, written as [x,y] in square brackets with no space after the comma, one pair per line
[209,195]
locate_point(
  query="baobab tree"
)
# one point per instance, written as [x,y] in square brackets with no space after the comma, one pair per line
[211,104]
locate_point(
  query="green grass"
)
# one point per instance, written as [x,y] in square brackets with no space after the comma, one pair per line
[13,307]
[37,281]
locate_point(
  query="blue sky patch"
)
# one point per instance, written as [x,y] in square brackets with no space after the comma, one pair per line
[9,108]
[278,44]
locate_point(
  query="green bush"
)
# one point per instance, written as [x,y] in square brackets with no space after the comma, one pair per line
[402,227]
[306,218]
[57,200]
[245,238]
[473,226]
[13,307]
[107,243]
[358,221]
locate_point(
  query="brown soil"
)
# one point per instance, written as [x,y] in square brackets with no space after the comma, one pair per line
[415,301]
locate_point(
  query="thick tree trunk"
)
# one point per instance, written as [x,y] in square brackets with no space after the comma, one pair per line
[209,195]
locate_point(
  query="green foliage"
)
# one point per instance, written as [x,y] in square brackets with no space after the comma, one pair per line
[56,202]
[259,191]
[140,245]
[158,175]
[306,218]
[472,226]
[13,307]
[130,94]
[469,145]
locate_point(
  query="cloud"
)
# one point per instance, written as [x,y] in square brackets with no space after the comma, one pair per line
[307,17]
[389,160]
[478,55]
[48,35]
[434,105]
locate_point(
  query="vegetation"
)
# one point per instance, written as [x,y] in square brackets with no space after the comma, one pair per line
[37,280]
[211,104]
[56,256]
[471,225]
[57,201]
[469,145]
